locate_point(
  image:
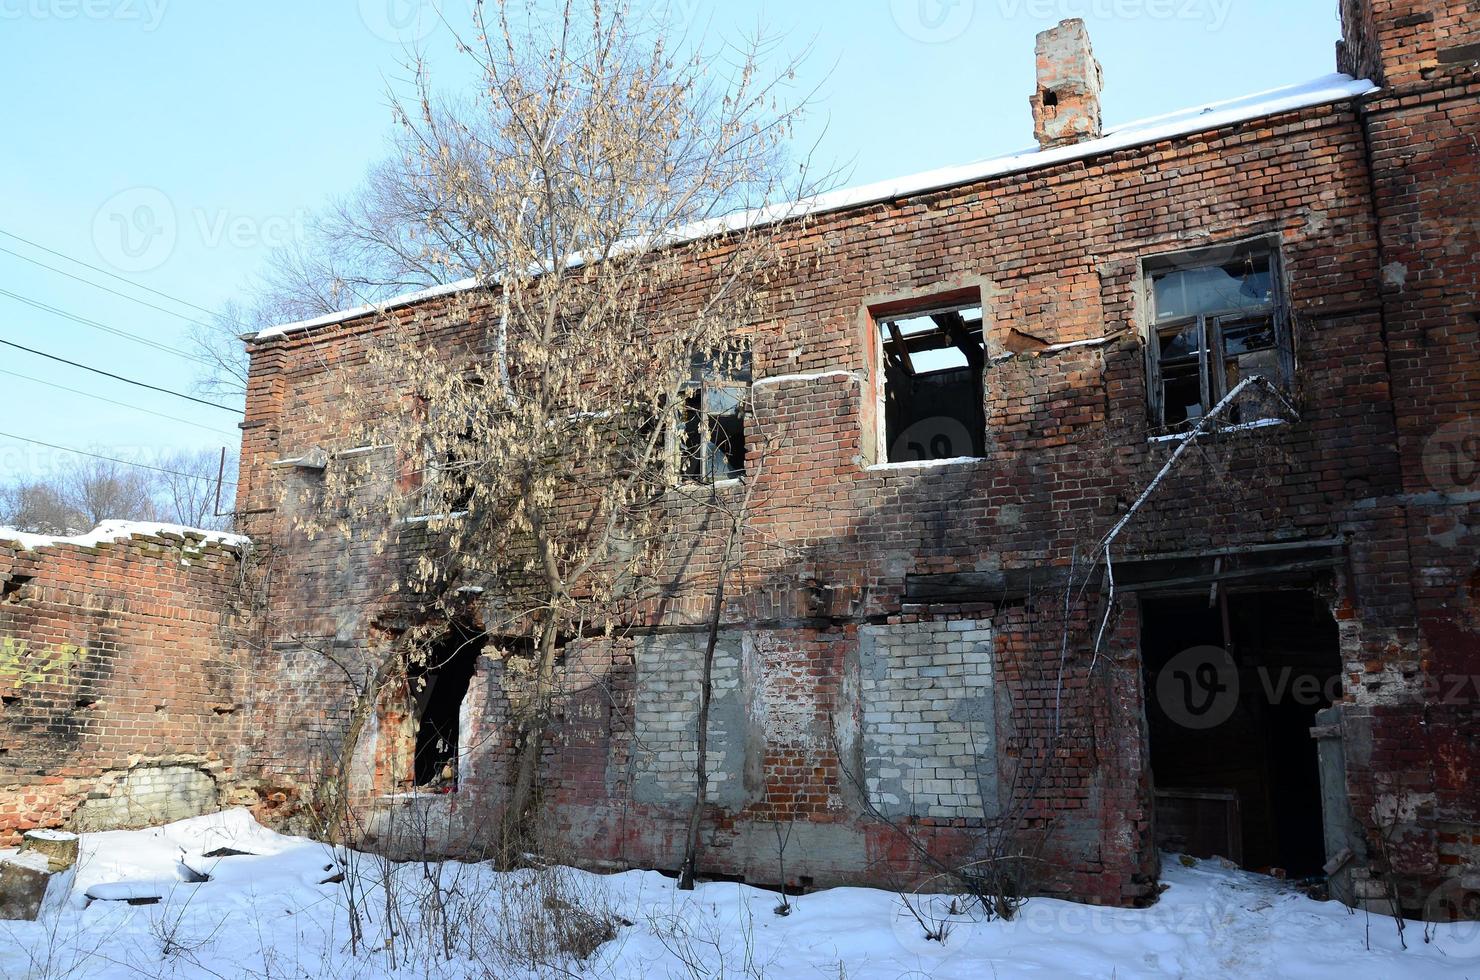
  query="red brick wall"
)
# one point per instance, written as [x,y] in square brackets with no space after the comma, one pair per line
[120,676]
[1407,42]
[1386,357]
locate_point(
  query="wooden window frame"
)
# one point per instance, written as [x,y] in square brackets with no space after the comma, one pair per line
[1211,326]
[699,388]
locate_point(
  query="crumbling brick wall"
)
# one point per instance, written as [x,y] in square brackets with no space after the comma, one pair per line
[1385,343]
[120,691]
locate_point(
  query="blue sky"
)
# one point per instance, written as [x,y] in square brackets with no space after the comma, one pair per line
[172,143]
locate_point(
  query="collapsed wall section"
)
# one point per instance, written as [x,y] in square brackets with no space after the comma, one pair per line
[119,693]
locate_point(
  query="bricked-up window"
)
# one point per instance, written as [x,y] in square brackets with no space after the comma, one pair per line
[711,422]
[1217,317]
[933,366]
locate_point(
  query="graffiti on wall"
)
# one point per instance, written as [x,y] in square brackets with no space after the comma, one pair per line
[22,662]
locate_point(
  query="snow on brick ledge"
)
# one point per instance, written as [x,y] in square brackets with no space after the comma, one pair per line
[109,531]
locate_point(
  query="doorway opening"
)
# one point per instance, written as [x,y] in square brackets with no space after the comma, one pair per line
[1233,685]
[439,686]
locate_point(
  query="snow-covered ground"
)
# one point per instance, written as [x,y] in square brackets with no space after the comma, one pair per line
[275,911]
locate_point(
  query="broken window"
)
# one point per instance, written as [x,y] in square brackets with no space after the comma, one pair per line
[934,362]
[439,686]
[447,481]
[1217,317]
[711,420]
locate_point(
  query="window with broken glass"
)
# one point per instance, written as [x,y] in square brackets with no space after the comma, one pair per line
[1217,317]
[710,436]
[447,480]
[934,363]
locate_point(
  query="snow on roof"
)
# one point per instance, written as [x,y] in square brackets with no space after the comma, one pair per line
[1216,115]
[118,530]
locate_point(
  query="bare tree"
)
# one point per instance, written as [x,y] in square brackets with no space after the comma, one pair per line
[101,490]
[733,515]
[38,506]
[188,492]
[178,488]
[568,188]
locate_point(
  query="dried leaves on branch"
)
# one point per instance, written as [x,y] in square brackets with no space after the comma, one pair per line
[537,417]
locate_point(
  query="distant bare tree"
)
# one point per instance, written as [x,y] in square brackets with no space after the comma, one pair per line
[218,344]
[38,507]
[102,490]
[187,494]
[78,498]
[359,250]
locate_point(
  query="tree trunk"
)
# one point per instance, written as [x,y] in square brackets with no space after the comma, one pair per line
[519,815]
[701,767]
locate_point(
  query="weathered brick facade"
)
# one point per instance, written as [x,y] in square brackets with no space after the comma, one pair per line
[119,687]
[834,695]
[904,662]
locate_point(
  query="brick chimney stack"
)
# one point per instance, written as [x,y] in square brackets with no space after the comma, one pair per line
[1066,107]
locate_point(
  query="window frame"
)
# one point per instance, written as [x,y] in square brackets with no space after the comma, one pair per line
[699,387]
[1211,325]
[923,305]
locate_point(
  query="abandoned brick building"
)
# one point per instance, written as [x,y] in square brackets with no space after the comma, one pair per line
[989,367]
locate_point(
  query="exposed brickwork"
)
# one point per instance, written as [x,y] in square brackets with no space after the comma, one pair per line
[1385,357]
[830,678]
[1066,106]
[121,692]
[929,719]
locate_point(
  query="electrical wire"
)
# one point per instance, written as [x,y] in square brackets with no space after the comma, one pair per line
[119,377]
[113,459]
[166,348]
[114,275]
[110,401]
[106,289]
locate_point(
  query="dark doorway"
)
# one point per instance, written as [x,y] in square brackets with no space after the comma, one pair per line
[438,688]
[1233,684]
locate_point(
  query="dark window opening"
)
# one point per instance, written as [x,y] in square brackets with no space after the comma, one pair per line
[1232,692]
[450,456]
[1218,317]
[934,364]
[1050,98]
[711,421]
[438,689]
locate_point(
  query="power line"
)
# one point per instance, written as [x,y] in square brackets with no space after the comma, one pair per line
[119,377]
[114,459]
[110,401]
[110,275]
[106,289]
[166,348]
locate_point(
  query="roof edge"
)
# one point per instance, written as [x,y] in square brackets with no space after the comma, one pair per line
[1321,91]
